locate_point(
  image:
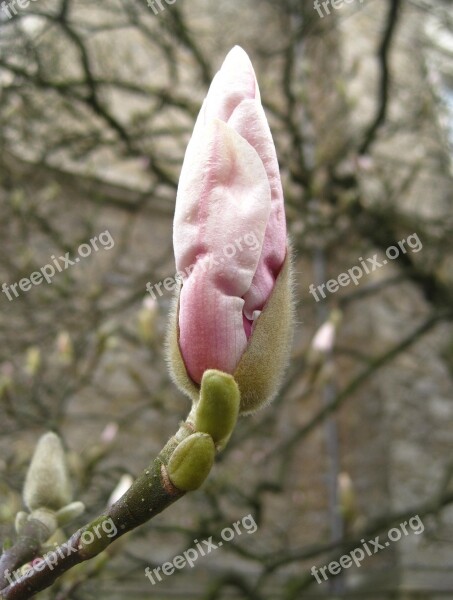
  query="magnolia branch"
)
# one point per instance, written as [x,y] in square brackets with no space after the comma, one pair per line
[182,465]
[151,493]
[384,57]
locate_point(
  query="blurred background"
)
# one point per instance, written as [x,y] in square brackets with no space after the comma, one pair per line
[97,104]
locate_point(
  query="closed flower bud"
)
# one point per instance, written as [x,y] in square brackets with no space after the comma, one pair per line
[47,483]
[65,348]
[47,517]
[70,512]
[191,462]
[147,320]
[324,339]
[6,379]
[217,410]
[233,311]
[20,521]
[33,361]
[109,433]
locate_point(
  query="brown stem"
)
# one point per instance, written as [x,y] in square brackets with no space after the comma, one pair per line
[26,547]
[150,494]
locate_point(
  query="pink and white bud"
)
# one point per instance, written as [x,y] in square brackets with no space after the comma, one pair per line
[147,320]
[324,338]
[230,232]
[109,433]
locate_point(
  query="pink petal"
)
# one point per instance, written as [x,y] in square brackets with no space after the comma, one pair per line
[234,82]
[223,199]
[250,122]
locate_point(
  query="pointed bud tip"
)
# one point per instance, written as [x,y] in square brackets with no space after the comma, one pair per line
[237,55]
[47,483]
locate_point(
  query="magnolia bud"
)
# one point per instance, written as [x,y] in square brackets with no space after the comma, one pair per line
[109,433]
[262,366]
[234,309]
[347,498]
[147,318]
[47,517]
[47,482]
[217,410]
[70,512]
[20,520]
[191,462]
[6,379]
[324,339]
[33,361]
[65,348]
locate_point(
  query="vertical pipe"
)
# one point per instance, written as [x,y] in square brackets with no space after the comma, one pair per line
[331,430]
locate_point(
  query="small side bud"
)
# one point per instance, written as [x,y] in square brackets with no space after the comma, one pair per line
[217,411]
[65,348]
[70,512]
[20,520]
[147,320]
[33,361]
[47,517]
[109,433]
[324,338]
[6,379]
[47,482]
[191,462]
